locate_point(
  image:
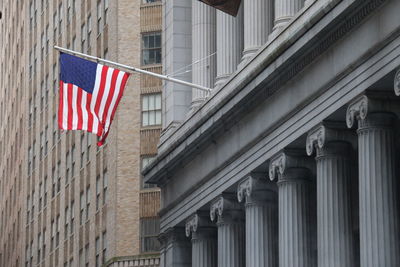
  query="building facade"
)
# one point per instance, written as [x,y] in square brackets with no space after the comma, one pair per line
[64,201]
[292,160]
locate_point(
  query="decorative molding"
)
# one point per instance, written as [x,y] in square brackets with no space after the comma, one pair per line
[217,208]
[245,188]
[192,224]
[226,202]
[254,187]
[277,165]
[397,83]
[358,109]
[316,138]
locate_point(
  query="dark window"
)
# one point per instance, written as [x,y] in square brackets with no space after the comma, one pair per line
[151,48]
[149,230]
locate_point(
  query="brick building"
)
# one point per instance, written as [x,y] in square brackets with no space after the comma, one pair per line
[63,200]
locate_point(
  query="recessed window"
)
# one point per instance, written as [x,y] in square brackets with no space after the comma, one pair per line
[151,110]
[151,48]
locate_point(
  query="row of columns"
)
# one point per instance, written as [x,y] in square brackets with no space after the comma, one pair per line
[275,226]
[232,39]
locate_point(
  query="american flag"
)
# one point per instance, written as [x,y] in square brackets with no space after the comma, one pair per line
[89,95]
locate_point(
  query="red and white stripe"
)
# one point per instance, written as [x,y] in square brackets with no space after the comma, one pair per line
[94,112]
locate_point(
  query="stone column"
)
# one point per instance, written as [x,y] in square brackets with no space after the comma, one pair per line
[231,240]
[203,49]
[294,189]
[258,23]
[204,241]
[285,10]
[334,224]
[229,44]
[175,248]
[261,222]
[379,214]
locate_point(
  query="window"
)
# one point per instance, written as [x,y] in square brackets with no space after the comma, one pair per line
[89,31]
[58,230]
[106,5]
[97,192]
[67,164]
[53,231]
[99,13]
[87,255]
[104,237]
[87,202]
[97,248]
[60,18]
[66,222]
[146,161]
[53,182]
[151,110]
[83,37]
[82,206]
[73,161]
[151,48]
[105,186]
[45,191]
[82,149]
[149,229]
[72,217]
[58,176]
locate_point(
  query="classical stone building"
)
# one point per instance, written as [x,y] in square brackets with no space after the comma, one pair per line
[292,160]
[63,200]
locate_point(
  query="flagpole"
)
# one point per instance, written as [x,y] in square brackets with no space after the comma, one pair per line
[160,76]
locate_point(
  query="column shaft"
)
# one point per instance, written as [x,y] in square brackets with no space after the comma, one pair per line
[261,235]
[204,250]
[229,44]
[204,45]
[285,10]
[379,214]
[258,22]
[231,244]
[294,222]
[335,237]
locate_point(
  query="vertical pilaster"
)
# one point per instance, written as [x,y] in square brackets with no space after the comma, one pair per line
[295,222]
[379,214]
[285,11]
[204,241]
[176,250]
[258,23]
[229,44]
[203,49]
[231,232]
[261,222]
[177,55]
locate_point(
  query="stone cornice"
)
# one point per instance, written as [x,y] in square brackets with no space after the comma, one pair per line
[224,107]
